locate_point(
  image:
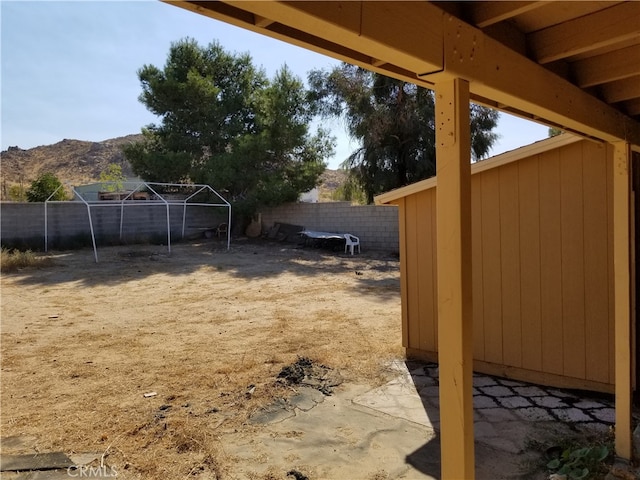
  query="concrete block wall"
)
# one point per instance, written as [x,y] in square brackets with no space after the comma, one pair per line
[24,223]
[375,225]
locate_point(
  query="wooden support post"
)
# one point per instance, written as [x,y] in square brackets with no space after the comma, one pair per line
[453,209]
[622,300]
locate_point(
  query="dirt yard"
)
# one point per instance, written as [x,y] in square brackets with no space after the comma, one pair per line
[204,332]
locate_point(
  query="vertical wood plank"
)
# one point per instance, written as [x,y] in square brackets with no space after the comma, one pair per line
[550,262]
[612,291]
[621,162]
[402,238]
[573,323]
[530,300]
[510,265]
[596,268]
[491,263]
[425,271]
[413,294]
[455,343]
[434,261]
[477,268]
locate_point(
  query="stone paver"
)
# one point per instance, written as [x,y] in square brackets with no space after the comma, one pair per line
[549,402]
[534,414]
[571,415]
[607,415]
[497,391]
[483,381]
[530,391]
[514,402]
[482,401]
[504,410]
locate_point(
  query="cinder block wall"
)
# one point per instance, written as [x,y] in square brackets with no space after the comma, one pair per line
[24,223]
[68,223]
[375,225]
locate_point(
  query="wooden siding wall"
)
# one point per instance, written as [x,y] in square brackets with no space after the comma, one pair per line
[542,268]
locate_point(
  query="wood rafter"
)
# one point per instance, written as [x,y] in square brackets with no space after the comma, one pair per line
[590,32]
[632,106]
[262,22]
[609,67]
[626,89]
[484,14]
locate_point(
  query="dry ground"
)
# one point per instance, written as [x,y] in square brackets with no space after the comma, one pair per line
[83,342]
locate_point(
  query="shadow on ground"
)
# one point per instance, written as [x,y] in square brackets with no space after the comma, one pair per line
[377,273]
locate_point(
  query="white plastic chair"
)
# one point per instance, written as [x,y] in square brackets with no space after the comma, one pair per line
[351,241]
[221,230]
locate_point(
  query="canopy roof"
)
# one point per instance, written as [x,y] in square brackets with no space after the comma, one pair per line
[573,65]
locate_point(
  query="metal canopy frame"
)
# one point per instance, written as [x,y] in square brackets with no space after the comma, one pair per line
[130,188]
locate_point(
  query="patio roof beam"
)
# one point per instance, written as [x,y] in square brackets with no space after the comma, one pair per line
[418,41]
[624,63]
[502,75]
[484,14]
[586,33]
[358,26]
[622,90]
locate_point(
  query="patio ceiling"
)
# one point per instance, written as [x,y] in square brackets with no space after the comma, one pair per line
[594,45]
[573,65]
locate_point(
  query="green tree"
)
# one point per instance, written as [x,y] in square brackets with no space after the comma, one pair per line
[553,132]
[113,178]
[350,191]
[224,123]
[44,186]
[394,123]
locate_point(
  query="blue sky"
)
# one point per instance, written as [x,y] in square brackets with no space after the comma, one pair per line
[69,69]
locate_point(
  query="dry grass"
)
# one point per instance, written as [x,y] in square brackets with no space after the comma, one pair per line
[13,260]
[208,333]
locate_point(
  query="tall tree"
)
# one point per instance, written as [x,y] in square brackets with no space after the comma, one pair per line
[394,123]
[44,187]
[113,177]
[223,122]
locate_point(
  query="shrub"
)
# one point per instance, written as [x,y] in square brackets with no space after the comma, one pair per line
[44,186]
[14,260]
[17,193]
[575,457]
[579,463]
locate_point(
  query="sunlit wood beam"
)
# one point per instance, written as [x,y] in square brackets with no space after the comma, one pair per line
[590,32]
[622,90]
[608,67]
[484,14]
[262,22]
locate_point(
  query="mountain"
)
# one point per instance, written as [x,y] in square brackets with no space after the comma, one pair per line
[79,162]
[74,161]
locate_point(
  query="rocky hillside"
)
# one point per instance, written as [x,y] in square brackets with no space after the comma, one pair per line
[79,162]
[74,161]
